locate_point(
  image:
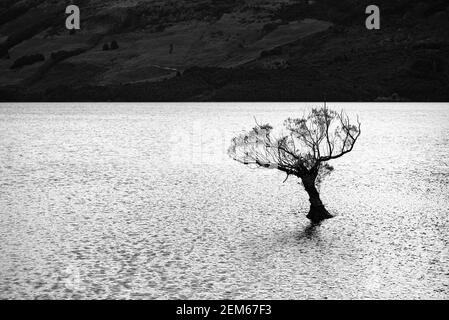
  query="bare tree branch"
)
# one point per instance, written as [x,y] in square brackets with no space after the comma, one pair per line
[313,139]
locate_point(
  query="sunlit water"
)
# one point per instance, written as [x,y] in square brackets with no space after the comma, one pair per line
[141,201]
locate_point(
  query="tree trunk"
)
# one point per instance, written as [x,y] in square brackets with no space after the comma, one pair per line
[317,211]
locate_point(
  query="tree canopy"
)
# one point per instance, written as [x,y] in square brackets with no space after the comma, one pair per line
[303,146]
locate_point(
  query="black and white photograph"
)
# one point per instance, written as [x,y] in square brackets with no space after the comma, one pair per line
[224,150]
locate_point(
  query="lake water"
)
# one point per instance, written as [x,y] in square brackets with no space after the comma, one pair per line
[141,201]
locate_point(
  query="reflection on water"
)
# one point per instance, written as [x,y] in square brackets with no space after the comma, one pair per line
[310,232]
[141,201]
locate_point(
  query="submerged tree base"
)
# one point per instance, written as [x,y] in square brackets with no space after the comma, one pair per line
[318,213]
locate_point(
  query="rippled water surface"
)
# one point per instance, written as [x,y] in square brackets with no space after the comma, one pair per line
[141,201]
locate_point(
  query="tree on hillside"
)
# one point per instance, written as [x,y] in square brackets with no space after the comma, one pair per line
[114,45]
[302,150]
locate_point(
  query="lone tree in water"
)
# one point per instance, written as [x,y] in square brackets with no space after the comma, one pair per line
[302,150]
